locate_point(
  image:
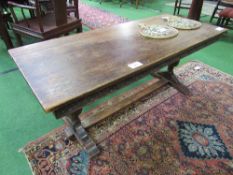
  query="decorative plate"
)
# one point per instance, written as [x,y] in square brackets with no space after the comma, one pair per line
[183,23]
[158,31]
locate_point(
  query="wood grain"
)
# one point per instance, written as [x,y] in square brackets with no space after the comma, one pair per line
[118,103]
[62,70]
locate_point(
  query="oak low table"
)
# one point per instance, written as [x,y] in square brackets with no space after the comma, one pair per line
[67,73]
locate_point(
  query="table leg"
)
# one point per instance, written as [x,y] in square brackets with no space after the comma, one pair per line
[195,10]
[77,130]
[172,79]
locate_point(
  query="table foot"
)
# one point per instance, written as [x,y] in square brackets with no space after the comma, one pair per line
[172,79]
[76,130]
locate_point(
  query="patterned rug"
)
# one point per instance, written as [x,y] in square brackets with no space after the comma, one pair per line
[95,18]
[166,133]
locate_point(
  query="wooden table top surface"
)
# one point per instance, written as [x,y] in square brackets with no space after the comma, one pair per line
[70,68]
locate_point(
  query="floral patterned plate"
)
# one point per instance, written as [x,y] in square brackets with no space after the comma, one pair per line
[158,31]
[183,23]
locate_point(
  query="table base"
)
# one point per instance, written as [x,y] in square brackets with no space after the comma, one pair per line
[77,129]
[172,79]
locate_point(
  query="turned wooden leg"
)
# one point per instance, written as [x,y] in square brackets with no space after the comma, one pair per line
[172,79]
[77,131]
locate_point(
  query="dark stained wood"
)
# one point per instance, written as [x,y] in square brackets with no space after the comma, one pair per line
[60,10]
[118,103]
[74,67]
[75,128]
[70,108]
[44,26]
[69,72]
[172,79]
[73,6]
[3,30]
[195,9]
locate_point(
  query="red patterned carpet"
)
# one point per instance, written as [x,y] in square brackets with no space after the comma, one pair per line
[166,134]
[94,17]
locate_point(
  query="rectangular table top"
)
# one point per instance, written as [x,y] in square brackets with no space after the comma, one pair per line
[70,68]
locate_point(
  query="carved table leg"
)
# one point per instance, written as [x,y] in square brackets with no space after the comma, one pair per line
[76,129]
[172,79]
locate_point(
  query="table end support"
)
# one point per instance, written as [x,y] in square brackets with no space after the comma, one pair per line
[75,130]
[172,79]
